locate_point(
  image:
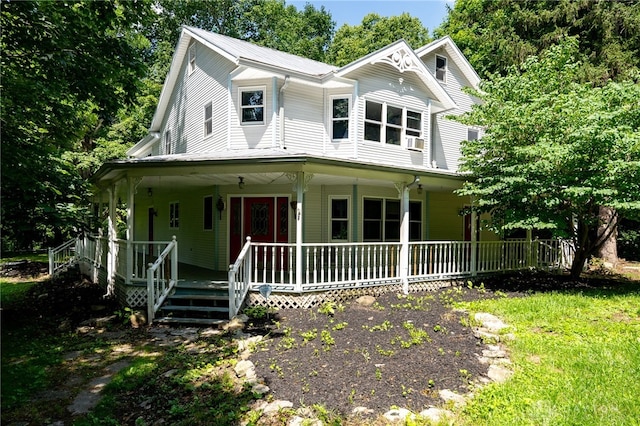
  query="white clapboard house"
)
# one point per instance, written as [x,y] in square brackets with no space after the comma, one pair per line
[268,176]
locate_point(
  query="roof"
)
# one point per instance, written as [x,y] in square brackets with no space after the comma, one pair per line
[236,50]
[455,54]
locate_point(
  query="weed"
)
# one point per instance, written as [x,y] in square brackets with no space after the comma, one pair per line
[352,396]
[385,326]
[378,374]
[329,308]
[441,351]
[310,335]
[365,354]
[256,312]
[327,339]
[385,352]
[339,326]
[439,329]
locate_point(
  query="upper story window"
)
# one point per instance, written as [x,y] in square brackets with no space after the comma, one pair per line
[473,134]
[252,105]
[174,215]
[192,57]
[441,68]
[339,218]
[340,118]
[388,123]
[167,141]
[208,119]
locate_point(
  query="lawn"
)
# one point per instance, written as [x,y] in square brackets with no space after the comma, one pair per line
[576,357]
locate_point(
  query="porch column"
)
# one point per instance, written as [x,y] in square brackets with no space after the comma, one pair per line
[404,239]
[474,244]
[299,195]
[130,201]
[530,248]
[111,236]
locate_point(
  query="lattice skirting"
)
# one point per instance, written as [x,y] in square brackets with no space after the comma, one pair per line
[131,296]
[310,300]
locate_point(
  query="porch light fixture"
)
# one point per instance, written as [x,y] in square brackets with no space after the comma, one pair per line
[419,189]
[149,192]
[293,204]
[240,182]
[220,206]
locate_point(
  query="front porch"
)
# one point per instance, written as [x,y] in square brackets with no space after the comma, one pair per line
[143,273]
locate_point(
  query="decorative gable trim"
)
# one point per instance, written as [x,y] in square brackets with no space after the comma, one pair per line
[402,60]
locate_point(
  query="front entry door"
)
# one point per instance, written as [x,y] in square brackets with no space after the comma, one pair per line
[264,219]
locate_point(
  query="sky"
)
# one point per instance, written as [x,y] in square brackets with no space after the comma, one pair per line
[430,12]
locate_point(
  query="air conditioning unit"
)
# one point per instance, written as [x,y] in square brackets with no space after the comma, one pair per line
[415,144]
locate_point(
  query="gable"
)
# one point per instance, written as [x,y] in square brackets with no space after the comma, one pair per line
[446,47]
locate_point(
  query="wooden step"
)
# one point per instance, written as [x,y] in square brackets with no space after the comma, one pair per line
[186,308]
[197,321]
[203,285]
[192,296]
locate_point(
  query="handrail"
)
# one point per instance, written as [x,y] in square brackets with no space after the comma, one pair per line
[161,278]
[62,256]
[239,279]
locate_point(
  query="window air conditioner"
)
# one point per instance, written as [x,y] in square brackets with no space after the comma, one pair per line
[415,144]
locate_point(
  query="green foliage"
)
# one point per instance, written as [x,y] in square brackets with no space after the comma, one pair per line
[352,42]
[629,239]
[554,149]
[495,35]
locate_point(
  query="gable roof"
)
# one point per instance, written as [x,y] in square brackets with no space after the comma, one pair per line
[403,58]
[455,54]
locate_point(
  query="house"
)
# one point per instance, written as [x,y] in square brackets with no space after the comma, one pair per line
[341,177]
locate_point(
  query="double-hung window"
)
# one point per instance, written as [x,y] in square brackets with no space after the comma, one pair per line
[381,220]
[192,58]
[167,141]
[252,105]
[441,68]
[472,134]
[340,118]
[174,215]
[339,225]
[390,124]
[208,119]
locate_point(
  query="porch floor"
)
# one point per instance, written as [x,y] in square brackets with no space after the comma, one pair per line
[196,274]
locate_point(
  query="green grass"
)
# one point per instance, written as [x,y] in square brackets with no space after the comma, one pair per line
[12,291]
[576,360]
[32,257]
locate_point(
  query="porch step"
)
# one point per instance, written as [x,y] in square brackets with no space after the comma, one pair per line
[197,321]
[196,302]
[194,308]
[190,296]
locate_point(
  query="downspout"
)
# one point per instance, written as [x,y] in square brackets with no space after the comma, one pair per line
[404,235]
[281,110]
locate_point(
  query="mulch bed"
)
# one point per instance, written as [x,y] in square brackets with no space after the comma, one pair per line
[374,361]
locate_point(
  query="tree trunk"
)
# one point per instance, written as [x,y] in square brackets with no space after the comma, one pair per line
[608,225]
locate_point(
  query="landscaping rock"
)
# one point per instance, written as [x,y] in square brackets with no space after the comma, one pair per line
[457,399]
[490,322]
[244,368]
[436,415]
[259,388]
[276,406]
[397,414]
[498,373]
[362,411]
[300,421]
[365,300]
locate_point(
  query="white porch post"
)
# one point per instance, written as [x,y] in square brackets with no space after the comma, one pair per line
[111,236]
[530,248]
[130,202]
[474,244]
[299,195]
[404,239]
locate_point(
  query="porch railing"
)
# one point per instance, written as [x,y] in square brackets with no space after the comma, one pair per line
[162,276]
[134,257]
[240,279]
[62,256]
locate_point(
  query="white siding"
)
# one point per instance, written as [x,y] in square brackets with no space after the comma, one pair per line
[245,136]
[447,134]
[303,118]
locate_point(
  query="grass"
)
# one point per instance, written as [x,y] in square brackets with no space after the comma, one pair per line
[576,357]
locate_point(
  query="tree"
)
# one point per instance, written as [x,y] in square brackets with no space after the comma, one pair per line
[555,150]
[355,41]
[496,34]
[66,69]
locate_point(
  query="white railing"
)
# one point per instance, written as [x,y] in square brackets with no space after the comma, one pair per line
[133,258]
[162,276]
[62,256]
[439,259]
[240,279]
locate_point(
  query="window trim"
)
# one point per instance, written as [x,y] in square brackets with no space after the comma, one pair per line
[241,107]
[477,132]
[333,119]
[210,119]
[405,130]
[192,57]
[331,219]
[445,69]
[384,220]
[174,215]
[204,212]
[167,142]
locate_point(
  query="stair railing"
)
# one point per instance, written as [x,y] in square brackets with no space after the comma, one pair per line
[239,279]
[162,276]
[62,256]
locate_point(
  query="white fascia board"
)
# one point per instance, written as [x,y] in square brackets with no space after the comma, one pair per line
[144,145]
[456,55]
[280,71]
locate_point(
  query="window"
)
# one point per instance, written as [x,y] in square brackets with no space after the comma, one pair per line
[398,122]
[192,58]
[208,213]
[472,134]
[382,220]
[174,215]
[441,68]
[167,142]
[252,106]
[340,118]
[339,219]
[208,119]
